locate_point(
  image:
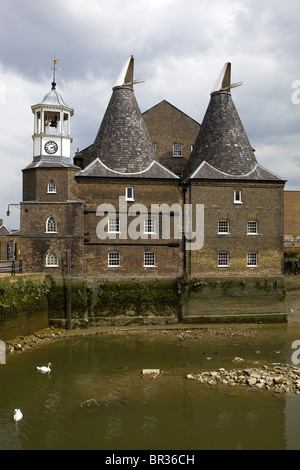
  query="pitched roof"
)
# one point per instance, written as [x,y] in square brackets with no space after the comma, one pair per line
[164,104]
[97,169]
[55,163]
[4,231]
[208,172]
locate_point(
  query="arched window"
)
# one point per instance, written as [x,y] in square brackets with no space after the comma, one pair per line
[51,259]
[51,187]
[51,225]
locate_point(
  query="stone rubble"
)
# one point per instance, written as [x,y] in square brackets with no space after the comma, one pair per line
[278,378]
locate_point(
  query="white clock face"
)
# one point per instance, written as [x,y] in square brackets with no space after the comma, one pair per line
[51,147]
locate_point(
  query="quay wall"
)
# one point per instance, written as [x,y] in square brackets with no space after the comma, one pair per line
[30,303]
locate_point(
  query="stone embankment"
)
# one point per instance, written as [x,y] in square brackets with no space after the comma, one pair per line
[279,378]
[23,343]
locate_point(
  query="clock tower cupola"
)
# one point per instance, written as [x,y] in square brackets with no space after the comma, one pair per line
[52,127]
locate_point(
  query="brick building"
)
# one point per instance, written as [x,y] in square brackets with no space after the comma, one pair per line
[243,201]
[173,134]
[9,243]
[292,219]
[108,208]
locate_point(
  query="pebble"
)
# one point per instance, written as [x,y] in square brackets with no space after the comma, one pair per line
[281,378]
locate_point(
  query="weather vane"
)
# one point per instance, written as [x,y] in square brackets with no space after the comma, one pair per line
[54,68]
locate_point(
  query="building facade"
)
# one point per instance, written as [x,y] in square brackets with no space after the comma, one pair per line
[156,196]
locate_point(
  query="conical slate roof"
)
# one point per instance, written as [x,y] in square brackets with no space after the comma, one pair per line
[222,141]
[123,143]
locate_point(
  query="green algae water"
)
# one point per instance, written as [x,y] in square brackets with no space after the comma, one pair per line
[95,397]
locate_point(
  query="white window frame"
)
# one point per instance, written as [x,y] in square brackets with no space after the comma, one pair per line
[177,150]
[127,196]
[149,226]
[223,259]
[114,259]
[51,188]
[237,196]
[51,260]
[251,226]
[51,225]
[114,225]
[252,258]
[149,259]
[223,227]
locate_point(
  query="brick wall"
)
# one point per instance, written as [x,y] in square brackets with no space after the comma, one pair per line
[168,252]
[167,126]
[36,180]
[261,203]
[37,243]
[292,213]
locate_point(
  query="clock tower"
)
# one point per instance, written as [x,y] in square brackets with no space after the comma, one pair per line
[52,128]
[51,215]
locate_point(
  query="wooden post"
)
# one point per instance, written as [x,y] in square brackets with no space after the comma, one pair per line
[69,299]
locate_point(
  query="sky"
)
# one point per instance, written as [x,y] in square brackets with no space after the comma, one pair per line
[179,46]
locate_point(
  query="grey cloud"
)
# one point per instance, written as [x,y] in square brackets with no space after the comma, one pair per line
[180,47]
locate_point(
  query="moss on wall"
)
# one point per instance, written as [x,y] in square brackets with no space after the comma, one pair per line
[292,262]
[23,296]
[59,298]
[29,303]
[23,306]
[137,299]
[241,300]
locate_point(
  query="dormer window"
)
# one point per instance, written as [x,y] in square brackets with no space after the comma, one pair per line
[129,196]
[51,187]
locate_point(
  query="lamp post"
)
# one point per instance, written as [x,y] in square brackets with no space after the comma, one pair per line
[8,211]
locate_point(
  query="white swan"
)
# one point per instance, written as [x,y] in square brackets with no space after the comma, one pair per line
[17,414]
[44,368]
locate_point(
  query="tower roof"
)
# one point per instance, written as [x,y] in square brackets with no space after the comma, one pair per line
[123,143]
[53,98]
[222,149]
[222,141]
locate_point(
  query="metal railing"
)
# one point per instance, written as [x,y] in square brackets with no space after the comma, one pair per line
[10,266]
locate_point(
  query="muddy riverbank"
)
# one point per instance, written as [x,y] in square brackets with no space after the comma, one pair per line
[268,370]
[178,331]
[276,377]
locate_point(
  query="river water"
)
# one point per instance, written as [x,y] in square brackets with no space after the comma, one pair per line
[134,412]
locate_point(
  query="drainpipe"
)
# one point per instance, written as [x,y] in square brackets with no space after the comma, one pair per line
[184,190]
